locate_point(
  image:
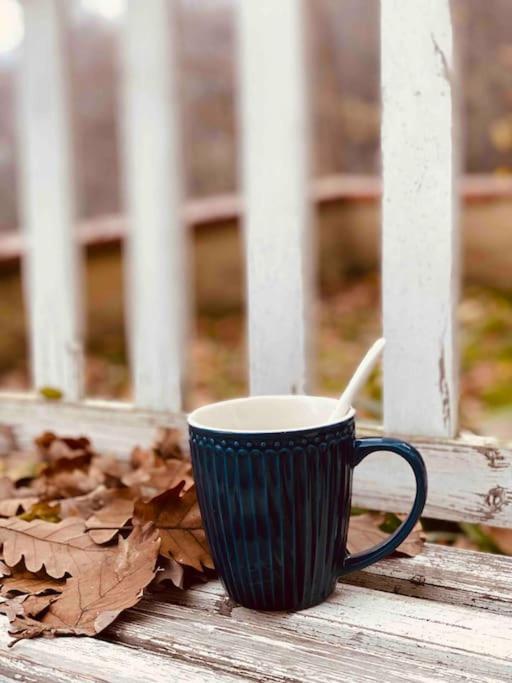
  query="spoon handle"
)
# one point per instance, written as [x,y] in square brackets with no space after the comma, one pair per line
[358,379]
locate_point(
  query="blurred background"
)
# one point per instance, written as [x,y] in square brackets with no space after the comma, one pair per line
[346,119]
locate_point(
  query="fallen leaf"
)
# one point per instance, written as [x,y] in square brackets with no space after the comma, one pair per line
[51,393]
[501,537]
[25,606]
[60,548]
[65,480]
[170,571]
[92,600]
[4,569]
[19,465]
[169,445]
[366,531]
[154,475]
[25,582]
[7,488]
[54,448]
[113,468]
[105,524]
[179,521]
[13,500]
[48,512]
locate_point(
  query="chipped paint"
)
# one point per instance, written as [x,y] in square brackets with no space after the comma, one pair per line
[495,499]
[444,390]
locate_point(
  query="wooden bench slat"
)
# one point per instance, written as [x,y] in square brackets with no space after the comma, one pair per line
[259,650]
[361,633]
[388,635]
[73,660]
[448,575]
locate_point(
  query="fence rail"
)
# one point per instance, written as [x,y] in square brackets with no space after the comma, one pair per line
[471,479]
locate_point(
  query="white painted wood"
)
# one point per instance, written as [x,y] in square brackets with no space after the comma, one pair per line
[419,212]
[470,478]
[359,633]
[77,660]
[448,575]
[274,137]
[445,575]
[52,275]
[366,634]
[114,427]
[156,252]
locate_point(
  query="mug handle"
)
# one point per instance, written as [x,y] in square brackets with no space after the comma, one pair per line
[364,447]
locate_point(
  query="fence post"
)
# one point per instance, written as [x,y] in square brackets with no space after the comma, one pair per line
[420,218]
[156,249]
[52,267]
[275,137]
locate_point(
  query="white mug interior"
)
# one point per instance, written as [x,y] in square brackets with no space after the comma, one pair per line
[264,414]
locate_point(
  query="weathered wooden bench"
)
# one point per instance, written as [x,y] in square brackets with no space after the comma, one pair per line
[444,615]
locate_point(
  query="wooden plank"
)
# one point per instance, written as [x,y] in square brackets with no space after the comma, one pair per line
[156,250]
[275,181]
[359,633]
[114,427]
[52,276]
[448,575]
[366,634]
[470,477]
[73,660]
[419,213]
[445,575]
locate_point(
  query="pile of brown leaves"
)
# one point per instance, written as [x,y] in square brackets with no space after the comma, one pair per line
[83,534]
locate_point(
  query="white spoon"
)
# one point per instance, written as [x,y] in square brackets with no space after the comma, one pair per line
[358,379]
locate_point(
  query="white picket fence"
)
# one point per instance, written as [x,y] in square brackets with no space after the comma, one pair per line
[470,478]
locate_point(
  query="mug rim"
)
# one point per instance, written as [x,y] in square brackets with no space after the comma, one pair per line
[195,424]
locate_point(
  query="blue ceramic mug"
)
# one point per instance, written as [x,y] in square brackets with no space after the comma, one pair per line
[274,483]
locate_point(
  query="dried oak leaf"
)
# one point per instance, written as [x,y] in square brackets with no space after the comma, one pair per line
[86,505]
[178,519]
[20,465]
[371,528]
[113,468]
[152,474]
[47,511]
[104,524]
[60,548]
[32,583]
[54,448]
[169,571]
[169,444]
[23,606]
[92,600]
[4,570]
[64,479]
[14,500]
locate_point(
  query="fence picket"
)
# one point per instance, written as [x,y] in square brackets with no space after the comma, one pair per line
[420,229]
[275,178]
[156,245]
[52,276]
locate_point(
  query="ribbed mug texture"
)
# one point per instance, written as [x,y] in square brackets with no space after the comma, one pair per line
[276,509]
